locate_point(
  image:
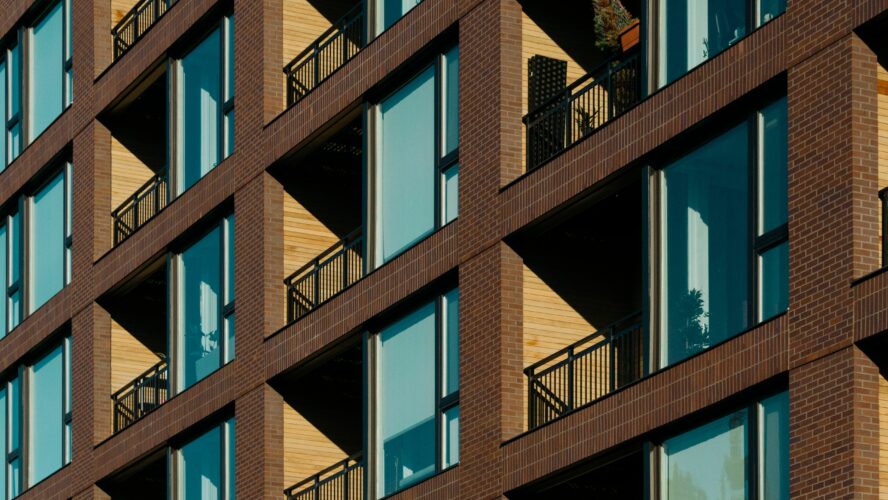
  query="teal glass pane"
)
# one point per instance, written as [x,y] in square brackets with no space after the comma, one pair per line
[69,74]
[46,419]
[451,100]
[392,10]
[229,133]
[3,115]
[14,388]
[769,9]
[407,400]
[706,246]
[451,342]
[15,141]
[407,168]
[47,77]
[201,467]
[229,55]
[229,258]
[773,177]
[775,423]
[15,478]
[15,79]
[4,279]
[47,251]
[692,31]
[451,193]
[230,464]
[709,461]
[451,437]
[774,281]
[201,101]
[15,268]
[229,337]
[200,328]
[3,449]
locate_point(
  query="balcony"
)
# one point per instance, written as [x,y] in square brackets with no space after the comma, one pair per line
[141,396]
[323,235]
[583,107]
[330,51]
[147,479]
[341,481]
[586,370]
[583,289]
[137,123]
[139,208]
[322,414]
[140,376]
[331,272]
[136,22]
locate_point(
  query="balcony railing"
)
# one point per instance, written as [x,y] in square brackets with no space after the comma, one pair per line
[883,199]
[136,23]
[586,370]
[141,396]
[331,272]
[341,481]
[583,107]
[325,55]
[139,208]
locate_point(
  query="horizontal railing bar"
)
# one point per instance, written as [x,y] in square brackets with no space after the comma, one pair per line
[315,480]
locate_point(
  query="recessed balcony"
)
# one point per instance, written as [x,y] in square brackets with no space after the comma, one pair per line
[131,22]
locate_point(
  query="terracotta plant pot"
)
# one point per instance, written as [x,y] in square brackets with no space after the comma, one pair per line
[630,35]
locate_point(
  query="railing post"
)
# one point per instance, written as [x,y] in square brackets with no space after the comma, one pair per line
[317,488]
[531,402]
[570,378]
[613,360]
[317,287]
[345,480]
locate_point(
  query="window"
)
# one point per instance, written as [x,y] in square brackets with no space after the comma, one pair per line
[205,466]
[11,90]
[416,158]
[204,106]
[49,239]
[49,412]
[720,460]
[413,402]
[37,225]
[389,11]
[692,31]
[205,326]
[717,278]
[46,423]
[50,67]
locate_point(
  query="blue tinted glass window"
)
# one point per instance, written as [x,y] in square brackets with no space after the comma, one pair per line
[706,250]
[200,110]
[46,419]
[709,461]
[392,10]
[229,72]
[774,281]
[775,425]
[3,115]
[47,251]
[230,463]
[451,342]
[774,158]
[451,437]
[407,165]
[451,193]
[407,400]
[769,9]
[47,78]
[201,467]
[3,449]
[451,100]
[4,279]
[692,31]
[200,286]
[14,389]
[14,139]
[15,268]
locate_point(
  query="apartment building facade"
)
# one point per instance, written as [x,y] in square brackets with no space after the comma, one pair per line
[349,249]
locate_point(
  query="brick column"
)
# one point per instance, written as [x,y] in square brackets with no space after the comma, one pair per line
[259,440]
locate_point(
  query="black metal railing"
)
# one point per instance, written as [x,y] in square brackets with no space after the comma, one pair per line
[141,396]
[325,55]
[139,208]
[331,272]
[341,481]
[583,107]
[586,370]
[136,23]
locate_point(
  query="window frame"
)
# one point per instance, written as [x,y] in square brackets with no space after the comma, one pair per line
[443,403]
[14,119]
[66,62]
[754,463]
[658,80]
[227,429]
[27,410]
[758,243]
[225,27]
[66,172]
[444,162]
[226,307]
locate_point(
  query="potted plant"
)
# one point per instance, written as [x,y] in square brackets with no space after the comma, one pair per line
[615,28]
